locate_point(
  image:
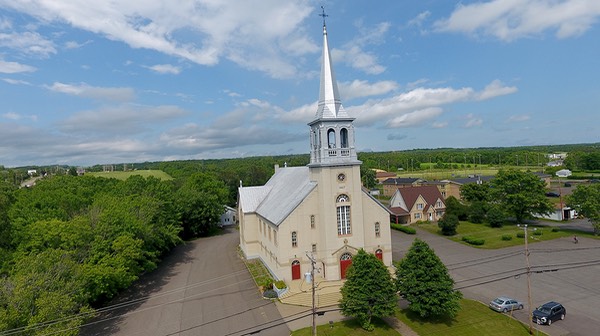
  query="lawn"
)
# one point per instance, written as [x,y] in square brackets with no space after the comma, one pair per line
[493,236]
[349,327]
[259,272]
[474,318]
[121,175]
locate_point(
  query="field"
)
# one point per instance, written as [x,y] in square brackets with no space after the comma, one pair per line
[123,175]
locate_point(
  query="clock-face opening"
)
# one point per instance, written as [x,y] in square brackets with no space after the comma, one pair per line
[341,177]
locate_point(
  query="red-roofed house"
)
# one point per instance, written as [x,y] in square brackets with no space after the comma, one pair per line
[412,204]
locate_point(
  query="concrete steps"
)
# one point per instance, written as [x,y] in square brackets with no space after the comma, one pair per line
[327,293]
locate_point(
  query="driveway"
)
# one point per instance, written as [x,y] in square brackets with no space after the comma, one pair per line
[569,274]
[201,288]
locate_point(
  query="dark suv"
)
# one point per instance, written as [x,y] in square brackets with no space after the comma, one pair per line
[548,313]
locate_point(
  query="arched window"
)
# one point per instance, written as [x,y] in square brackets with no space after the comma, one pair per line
[377,229]
[344,138]
[331,138]
[343,198]
[294,239]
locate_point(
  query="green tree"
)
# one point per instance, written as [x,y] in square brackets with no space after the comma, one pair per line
[521,194]
[368,290]
[477,211]
[496,216]
[448,224]
[585,199]
[368,177]
[455,207]
[475,192]
[423,280]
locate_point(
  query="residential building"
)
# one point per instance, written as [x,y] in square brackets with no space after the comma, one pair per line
[412,204]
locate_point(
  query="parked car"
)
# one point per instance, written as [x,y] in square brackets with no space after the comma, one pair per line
[548,313]
[552,194]
[504,304]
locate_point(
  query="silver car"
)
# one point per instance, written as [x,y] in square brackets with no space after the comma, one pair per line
[505,304]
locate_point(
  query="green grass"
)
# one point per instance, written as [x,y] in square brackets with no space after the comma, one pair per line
[121,175]
[474,318]
[259,272]
[349,327]
[493,236]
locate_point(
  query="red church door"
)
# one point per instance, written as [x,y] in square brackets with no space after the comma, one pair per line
[345,262]
[295,270]
[379,254]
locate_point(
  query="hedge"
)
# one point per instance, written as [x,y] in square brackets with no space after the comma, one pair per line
[403,228]
[473,240]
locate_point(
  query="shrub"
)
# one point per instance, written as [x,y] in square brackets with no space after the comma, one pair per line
[280,284]
[270,294]
[448,224]
[473,240]
[555,229]
[267,284]
[520,235]
[403,228]
[537,232]
[506,237]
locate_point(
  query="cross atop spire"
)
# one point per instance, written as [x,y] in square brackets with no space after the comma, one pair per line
[323,15]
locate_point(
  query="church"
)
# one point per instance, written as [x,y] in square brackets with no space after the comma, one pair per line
[319,212]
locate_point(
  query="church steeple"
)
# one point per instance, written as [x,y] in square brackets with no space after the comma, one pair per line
[332,131]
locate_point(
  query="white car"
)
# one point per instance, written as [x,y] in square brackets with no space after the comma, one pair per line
[505,304]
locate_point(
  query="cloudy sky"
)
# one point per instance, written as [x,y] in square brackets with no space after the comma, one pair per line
[91,82]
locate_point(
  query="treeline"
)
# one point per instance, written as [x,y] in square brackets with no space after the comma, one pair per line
[70,243]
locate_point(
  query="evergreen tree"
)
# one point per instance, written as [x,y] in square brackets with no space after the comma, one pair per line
[369,290]
[448,224]
[423,280]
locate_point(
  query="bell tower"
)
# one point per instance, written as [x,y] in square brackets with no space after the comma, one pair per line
[332,131]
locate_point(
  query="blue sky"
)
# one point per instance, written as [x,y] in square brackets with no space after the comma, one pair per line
[92,82]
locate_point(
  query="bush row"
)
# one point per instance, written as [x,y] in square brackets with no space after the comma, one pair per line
[473,240]
[403,228]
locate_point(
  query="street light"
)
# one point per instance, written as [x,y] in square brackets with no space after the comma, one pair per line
[529,317]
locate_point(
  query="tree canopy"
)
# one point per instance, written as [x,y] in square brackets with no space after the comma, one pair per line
[585,199]
[368,290]
[423,280]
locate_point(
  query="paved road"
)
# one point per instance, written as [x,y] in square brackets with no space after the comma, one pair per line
[485,274]
[202,288]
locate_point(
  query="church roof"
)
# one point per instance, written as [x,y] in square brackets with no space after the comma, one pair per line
[330,104]
[284,191]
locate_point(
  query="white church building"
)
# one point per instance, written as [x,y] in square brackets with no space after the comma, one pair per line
[320,210]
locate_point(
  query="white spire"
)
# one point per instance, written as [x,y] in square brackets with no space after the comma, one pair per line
[330,105]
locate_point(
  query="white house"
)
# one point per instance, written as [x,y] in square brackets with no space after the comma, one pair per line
[228,217]
[319,211]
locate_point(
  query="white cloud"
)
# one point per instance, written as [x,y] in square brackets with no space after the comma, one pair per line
[419,19]
[512,19]
[15,81]
[16,116]
[14,67]
[27,43]
[165,69]
[439,124]
[204,31]
[362,88]
[495,89]
[125,119]
[353,53]
[414,118]
[87,91]
[472,121]
[519,118]
[75,44]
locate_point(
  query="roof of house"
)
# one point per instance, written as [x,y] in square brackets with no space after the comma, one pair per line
[402,180]
[284,191]
[382,174]
[410,195]
[474,179]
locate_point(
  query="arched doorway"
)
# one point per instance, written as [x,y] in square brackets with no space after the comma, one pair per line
[295,270]
[379,254]
[345,262]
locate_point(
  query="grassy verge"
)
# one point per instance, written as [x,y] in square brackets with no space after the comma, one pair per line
[493,236]
[349,327]
[474,318]
[259,272]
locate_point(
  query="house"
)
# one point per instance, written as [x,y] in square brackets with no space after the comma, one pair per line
[544,177]
[316,215]
[31,172]
[390,185]
[228,217]
[382,175]
[411,204]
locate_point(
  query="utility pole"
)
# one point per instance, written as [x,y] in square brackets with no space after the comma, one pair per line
[529,317]
[312,278]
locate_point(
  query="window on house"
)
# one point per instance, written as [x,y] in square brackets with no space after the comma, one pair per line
[312,221]
[438,204]
[419,206]
[314,248]
[377,229]
[294,239]
[275,237]
[342,198]
[417,216]
[444,194]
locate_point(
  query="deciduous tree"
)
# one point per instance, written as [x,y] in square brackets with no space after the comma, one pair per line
[423,280]
[585,199]
[368,290]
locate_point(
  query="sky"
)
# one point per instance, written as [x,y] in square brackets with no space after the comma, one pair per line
[96,82]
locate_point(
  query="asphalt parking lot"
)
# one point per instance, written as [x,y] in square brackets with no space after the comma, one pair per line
[561,271]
